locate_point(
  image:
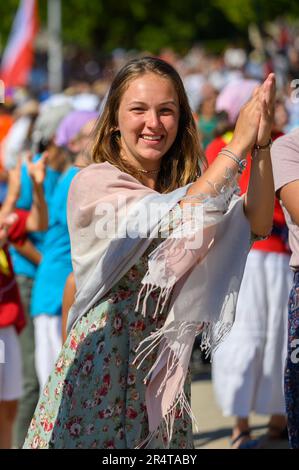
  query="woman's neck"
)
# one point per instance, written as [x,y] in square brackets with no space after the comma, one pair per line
[150,180]
[143,167]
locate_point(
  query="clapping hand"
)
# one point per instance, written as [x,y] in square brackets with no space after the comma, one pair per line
[256,118]
[266,95]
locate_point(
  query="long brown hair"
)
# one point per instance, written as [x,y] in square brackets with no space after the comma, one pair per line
[183,162]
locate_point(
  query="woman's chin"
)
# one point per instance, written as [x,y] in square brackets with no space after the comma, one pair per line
[151,156]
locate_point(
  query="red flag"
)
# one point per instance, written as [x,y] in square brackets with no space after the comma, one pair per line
[18,56]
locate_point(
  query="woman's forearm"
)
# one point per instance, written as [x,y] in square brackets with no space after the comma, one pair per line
[259,199]
[216,175]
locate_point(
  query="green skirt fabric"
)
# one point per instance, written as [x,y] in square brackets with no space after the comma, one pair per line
[95,396]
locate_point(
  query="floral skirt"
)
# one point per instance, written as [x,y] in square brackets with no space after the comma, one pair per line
[95,396]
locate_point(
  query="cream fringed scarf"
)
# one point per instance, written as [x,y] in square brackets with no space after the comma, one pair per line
[197,269]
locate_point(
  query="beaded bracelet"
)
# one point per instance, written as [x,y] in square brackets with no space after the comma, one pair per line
[261,148]
[241,163]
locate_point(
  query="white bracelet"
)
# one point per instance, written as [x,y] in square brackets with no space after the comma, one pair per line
[242,163]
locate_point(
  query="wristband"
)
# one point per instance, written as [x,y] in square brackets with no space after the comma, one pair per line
[263,147]
[242,163]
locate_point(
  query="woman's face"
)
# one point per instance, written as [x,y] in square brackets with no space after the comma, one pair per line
[148,119]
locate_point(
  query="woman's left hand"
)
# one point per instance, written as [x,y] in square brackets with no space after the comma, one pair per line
[266,94]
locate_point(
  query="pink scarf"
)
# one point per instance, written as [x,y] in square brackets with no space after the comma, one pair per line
[197,269]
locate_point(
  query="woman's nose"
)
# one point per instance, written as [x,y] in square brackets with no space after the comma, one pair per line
[153,120]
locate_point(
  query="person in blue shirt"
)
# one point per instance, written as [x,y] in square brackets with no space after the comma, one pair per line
[27,258]
[55,266]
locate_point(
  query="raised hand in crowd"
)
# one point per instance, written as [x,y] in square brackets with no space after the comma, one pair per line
[13,189]
[38,218]
[37,170]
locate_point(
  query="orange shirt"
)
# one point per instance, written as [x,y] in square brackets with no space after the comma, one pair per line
[6,122]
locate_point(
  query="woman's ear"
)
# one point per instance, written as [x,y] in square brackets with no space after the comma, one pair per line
[116,132]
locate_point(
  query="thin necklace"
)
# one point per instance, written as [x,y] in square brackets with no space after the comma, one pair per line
[148,172]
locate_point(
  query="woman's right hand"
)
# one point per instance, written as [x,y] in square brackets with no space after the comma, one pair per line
[247,125]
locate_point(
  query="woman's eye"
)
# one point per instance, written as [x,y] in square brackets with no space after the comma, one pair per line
[166,111]
[138,110]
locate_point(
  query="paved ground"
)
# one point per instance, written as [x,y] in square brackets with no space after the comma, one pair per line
[214,429]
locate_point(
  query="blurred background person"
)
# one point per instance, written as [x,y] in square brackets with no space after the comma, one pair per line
[27,257]
[207,117]
[12,318]
[247,368]
[55,265]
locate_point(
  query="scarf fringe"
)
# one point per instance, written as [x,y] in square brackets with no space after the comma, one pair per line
[147,440]
[212,335]
[149,289]
[166,426]
[174,333]
[154,339]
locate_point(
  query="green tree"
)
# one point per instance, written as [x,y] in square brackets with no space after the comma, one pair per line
[143,24]
[242,12]
[7,11]
[151,24]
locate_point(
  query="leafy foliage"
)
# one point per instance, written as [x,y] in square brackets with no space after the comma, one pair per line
[152,24]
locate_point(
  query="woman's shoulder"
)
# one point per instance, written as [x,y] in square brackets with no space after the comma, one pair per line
[95,168]
[94,173]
